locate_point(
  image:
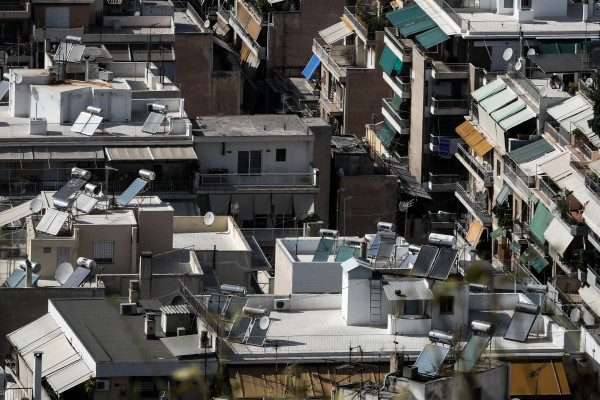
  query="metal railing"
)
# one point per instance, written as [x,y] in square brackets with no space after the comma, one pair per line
[270,234]
[349,13]
[482,214]
[441,67]
[527,231]
[484,171]
[402,82]
[446,217]
[435,139]
[403,122]
[557,133]
[438,179]
[462,23]
[593,185]
[547,190]
[516,179]
[269,179]
[404,45]
[248,40]
[584,89]
[328,58]
[330,105]
[14,6]
[449,103]
[586,151]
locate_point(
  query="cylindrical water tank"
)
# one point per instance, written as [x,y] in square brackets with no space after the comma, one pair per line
[86,262]
[233,289]
[444,240]
[442,337]
[147,175]
[80,173]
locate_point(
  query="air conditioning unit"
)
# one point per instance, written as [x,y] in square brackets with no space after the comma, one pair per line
[128,309]
[102,385]
[282,304]
[105,75]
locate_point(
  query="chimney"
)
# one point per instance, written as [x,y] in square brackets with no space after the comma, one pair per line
[150,325]
[37,372]
[145,275]
[134,291]
[29,272]
[363,249]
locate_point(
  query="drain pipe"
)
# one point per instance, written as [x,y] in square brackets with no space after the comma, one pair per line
[37,375]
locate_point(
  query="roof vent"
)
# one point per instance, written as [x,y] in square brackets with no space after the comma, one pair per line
[38,126]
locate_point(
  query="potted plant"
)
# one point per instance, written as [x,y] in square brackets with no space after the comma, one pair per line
[563,208]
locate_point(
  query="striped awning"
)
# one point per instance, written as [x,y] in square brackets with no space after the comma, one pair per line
[518,118]
[488,90]
[336,33]
[473,138]
[509,110]
[531,151]
[432,37]
[498,100]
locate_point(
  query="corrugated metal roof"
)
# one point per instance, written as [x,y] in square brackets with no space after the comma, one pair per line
[175,309]
[410,289]
[335,33]
[425,261]
[558,237]
[488,90]
[443,263]
[69,153]
[173,153]
[128,153]
[531,151]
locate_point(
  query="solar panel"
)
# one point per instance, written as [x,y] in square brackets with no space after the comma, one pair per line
[16,213]
[77,277]
[258,335]
[522,322]
[57,223]
[425,261]
[344,253]
[13,280]
[216,303]
[81,121]
[239,329]
[85,203]
[234,307]
[73,185]
[46,220]
[471,353]
[443,263]
[431,358]
[386,248]
[131,191]
[3,89]
[153,122]
[375,246]
[92,125]
[323,250]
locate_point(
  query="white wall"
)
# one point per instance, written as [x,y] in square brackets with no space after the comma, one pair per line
[591,347]
[459,318]
[358,299]
[115,103]
[550,8]
[317,277]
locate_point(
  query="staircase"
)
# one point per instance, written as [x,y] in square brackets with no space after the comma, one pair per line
[375,302]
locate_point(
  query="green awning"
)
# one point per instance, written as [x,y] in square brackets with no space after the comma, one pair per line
[498,100]
[514,247]
[432,37]
[533,198]
[387,133]
[531,151]
[387,60]
[534,258]
[548,46]
[509,110]
[398,65]
[563,46]
[396,102]
[405,16]
[497,233]
[418,26]
[518,118]
[488,90]
[503,195]
[540,221]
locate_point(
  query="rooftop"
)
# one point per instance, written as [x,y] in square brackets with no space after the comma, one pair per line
[250,126]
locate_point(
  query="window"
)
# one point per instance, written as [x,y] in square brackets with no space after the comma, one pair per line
[411,307]
[47,250]
[249,162]
[525,4]
[508,4]
[104,252]
[498,168]
[280,155]
[446,304]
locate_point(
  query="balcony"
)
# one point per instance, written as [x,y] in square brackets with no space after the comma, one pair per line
[593,184]
[442,70]
[478,210]
[31,189]
[547,191]
[514,176]
[265,180]
[441,182]
[451,106]
[483,172]
[335,58]
[333,108]
[361,31]
[401,47]
[531,236]
[240,30]
[556,132]
[394,116]
[399,84]
[15,10]
[444,220]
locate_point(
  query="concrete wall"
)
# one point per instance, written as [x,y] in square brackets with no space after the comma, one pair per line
[79,14]
[155,229]
[357,300]
[459,318]
[418,99]
[207,92]
[316,277]
[364,90]
[322,160]
[162,285]
[293,32]
[21,306]
[125,246]
[44,250]
[196,224]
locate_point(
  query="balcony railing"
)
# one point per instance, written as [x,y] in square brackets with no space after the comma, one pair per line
[396,114]
[258,50]
[225,180]
[333,59]
[480,212]
[530,235]
[449,106]
[404,45]
[524,82]
[557,133]
[334,107]
[349,13]
[484,171]
[402,82]
[547,190]
[515,179]
[593,185]
[463,24]
[270,234]
[450,71]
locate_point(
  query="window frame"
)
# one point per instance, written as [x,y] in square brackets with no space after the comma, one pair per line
[249,169]
[446,301]
[280,155]
[97,256]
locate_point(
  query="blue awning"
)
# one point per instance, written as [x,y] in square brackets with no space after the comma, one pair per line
[432,37]
[311,67]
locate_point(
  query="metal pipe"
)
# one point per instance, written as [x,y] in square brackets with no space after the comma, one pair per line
[37,375]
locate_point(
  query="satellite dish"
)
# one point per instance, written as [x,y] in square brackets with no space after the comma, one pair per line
[575,315]
[35,93]
[264,323]
[589,82]
[63,272]
[18,78]
[209,218]
[207,24]
[543,91]
[531,52]
[177,301]
[36,205]
[507,55]
[518,65]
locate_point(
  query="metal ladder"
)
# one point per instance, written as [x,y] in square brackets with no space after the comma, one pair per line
[375,302]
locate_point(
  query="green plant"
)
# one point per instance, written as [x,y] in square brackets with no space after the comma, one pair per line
[564,209]
[503,214]
[594,95]
[90,387]
[584,258]
[577,134]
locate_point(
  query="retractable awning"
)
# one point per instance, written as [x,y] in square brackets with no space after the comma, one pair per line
[568,108]
[531,151]
[534,258]
[311,67]
[509,110]
[128,153]
[532,168]
[488,90]
[503,195]
[591,298]
[405,16]
[591,216]
[557,168]
[387,133]
[432,37]
[569,124]
[68,153]
[388,60]
[539,222]
[336,32]
[497,233]
[498,100]
[304,205]
[173,153]
[418,26]
[558,236]
[473,138]
[518,118]
[219,203]
[474,233]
